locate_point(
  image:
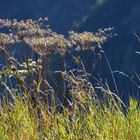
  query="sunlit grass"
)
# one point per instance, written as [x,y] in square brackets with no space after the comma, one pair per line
[93,121]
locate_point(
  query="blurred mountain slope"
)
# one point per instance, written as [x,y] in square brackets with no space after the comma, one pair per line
[124,16]
[61,13]
[89,15]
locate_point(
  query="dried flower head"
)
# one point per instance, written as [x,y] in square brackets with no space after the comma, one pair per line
[6,39]
[47,45]
[88,40]
[44,41]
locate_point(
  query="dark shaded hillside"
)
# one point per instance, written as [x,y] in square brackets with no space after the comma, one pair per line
[61,13]
[86,15]
[124,17]
[90,15]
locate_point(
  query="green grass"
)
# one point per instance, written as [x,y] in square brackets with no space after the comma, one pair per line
[20,121]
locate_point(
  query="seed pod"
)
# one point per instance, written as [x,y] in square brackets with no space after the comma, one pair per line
[13,68]
[11,60]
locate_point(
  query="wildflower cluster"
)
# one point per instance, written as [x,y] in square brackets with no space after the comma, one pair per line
[6,39]
[86,40]
[48,45]
[44,41]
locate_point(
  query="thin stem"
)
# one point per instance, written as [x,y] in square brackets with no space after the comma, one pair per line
[109,66]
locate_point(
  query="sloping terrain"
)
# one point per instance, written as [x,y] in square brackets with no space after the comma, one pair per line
[61,13]
[121,50]
[90,15]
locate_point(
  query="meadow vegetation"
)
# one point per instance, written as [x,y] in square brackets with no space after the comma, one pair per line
[39,103]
